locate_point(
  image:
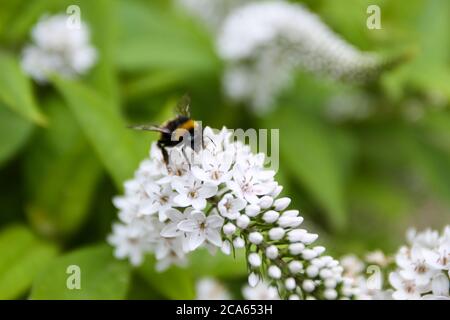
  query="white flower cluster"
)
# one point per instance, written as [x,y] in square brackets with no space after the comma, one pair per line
[262,291]
[222,197]
[210,12]
[423,267]
[211,289]
[58,48]
[264,41]
[365,278]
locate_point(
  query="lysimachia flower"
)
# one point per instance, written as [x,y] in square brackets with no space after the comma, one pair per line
[211,289]
[264,41]
[241,209]
[59,48]
[423,267]
[365,277]
[210,12]
[262,291]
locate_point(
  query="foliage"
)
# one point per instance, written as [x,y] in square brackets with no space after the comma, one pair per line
[65,150]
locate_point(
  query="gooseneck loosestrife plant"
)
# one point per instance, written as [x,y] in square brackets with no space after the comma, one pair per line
[223,197]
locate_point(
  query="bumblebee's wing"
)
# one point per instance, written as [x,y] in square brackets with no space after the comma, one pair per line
[183,106]
[150,127]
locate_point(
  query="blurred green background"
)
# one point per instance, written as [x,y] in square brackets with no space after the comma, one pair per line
[360,181]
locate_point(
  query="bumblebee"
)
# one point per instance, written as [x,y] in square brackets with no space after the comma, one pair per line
[181,129]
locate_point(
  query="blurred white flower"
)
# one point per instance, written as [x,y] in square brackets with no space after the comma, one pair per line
[405,289]
[423,267]
[210,12]
[211,289]
[262,291]
[59,49]
[263,42]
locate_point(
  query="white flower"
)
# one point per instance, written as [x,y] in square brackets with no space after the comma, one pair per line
[211,289]
[170,251]
[422,268]
[236,210]
[427,239]
[129,242]
[192,192]
[249,186]
[440,257]
[352,265]
[262,291]
[58,48]
[200,228]
[440,285]
[158,198]
[229,207]
[215,169]
[210,12]
[414,267]
[171,229]
[264,41]
[405,289]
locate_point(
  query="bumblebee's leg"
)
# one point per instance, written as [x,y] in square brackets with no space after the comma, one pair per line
[164,152]
[186,157]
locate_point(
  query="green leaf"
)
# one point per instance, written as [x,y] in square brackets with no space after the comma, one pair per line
[202,264]
[103,127]
[15,90]
[104,35]
[14,132]
[175,44]
[57,155]
[308,148]
[101,276]
[174,283]
[152,83]
[433,164]
[61,202]
[22,257]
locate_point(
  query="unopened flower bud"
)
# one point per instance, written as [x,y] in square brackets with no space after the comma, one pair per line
[229,228]
[272,252]
[295,266]
[243,221]
[274,272]
[281,204]
[254,259]
[308,285]
[255,237]
[239,243]
[276,233]
[270,216]
[296,248]
[252,210]
[265,202]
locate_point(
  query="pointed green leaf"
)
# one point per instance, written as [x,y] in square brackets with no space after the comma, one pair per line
[104,128]
[14,132]
[15,90]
